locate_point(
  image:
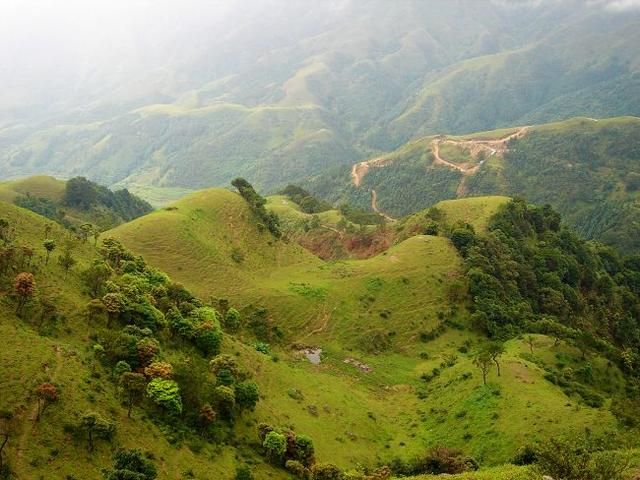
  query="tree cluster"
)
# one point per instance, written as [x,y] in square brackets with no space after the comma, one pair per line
[268,220]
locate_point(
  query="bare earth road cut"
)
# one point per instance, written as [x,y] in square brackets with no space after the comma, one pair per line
[489,147]
[374,207]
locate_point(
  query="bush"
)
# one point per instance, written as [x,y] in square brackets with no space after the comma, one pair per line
[326,471]
[525,456]
[445,460]
[243,472]
[580,458]
[296,468]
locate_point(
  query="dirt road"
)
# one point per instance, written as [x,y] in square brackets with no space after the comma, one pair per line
[374,207]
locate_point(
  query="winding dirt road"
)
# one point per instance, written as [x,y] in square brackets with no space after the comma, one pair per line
[374,207]
[490,147]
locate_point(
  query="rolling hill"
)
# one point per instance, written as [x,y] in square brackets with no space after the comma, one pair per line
[370,312]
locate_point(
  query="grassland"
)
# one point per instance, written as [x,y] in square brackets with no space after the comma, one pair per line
[61,352]
[38,186]
[372,311]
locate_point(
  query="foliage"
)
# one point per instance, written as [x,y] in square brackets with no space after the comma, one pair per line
[130,465]
[307,202]
[257,203]
[83,194]
[96,427]
[166,394]
[580,458]
[530,273]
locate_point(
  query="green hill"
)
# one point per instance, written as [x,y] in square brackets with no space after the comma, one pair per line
[370,311]
[74,202]
[396,373]
[586,168]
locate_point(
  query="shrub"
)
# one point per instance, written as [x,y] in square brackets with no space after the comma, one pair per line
[275,445]
[580,458]
[296,468]
[243,472]
[326,471]
[166,394]
[445,460]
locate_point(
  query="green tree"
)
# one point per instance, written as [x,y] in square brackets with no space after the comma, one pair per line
[463,239]
[275,446]
[247,395]
[208,338]
[495,350]
[80,193]
[66,260]
[166,394]
[483,360]
[232,320]
[95,426]
[96,276]
[225,399]
[130,465]
[133,386]
[49,245]
[114,304]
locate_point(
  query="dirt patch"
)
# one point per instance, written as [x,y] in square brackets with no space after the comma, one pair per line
[314,355]
[521,372]
[358,364]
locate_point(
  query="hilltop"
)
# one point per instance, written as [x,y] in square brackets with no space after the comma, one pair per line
[75,202]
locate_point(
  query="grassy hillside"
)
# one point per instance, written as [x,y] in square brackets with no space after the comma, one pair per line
[374,320]
[50,197]
[586,169]
[59,349]
[38,186]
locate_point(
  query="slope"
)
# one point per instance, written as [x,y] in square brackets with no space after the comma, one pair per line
[58,347]
[381,324]
[584,167]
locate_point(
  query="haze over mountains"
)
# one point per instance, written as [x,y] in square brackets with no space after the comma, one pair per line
[276,91]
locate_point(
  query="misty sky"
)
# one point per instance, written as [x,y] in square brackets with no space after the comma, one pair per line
[65,46]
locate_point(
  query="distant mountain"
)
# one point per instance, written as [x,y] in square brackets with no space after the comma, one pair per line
[292,89]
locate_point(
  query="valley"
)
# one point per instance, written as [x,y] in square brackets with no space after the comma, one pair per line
[336,240]
[379,338]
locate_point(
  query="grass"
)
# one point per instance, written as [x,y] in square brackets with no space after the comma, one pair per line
[456,154]
[158,196]
[473,210]
[38,186]
[370,310]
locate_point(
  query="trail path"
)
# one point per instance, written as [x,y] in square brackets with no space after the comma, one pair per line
[374,207]
[359,170]
[24,440]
